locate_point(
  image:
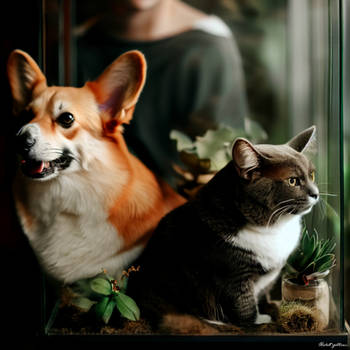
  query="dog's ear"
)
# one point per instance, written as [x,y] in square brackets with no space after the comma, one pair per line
[118,88]
[24,76]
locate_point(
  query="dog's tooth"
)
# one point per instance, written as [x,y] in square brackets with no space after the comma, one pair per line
[46,164]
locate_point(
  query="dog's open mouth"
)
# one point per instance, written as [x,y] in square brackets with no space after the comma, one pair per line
[39,169]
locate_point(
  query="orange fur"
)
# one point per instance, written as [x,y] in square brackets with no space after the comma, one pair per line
[143,201]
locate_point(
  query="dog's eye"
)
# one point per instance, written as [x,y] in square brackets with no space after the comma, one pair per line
[65,119]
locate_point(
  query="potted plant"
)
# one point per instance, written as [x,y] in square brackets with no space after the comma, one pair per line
[207,154]
[103,294]
[305,272]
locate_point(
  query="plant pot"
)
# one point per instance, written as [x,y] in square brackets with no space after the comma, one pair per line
[315,295]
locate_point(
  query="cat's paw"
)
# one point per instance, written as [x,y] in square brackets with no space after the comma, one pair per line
[262,318]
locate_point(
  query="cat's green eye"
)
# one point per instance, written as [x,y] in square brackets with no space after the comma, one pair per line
[312,176]
[293,181]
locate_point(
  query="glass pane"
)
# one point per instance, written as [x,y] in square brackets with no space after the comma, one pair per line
[287,72]
[346,115]
[315,99]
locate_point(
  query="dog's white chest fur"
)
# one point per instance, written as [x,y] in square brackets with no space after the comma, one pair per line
[72,235]
[271,245]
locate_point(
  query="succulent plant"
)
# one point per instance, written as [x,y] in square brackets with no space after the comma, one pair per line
[103,294]
[313,259]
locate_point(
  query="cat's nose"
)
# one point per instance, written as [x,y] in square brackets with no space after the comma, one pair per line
[313,195]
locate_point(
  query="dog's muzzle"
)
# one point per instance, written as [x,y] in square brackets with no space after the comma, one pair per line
[33,167]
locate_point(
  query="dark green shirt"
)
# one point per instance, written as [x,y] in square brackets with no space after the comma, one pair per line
[194,82]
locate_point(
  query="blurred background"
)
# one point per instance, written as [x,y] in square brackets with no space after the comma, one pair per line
[294,56]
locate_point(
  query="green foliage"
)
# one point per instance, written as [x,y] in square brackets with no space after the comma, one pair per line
[103,294]
[104,308]
[312,259]
[83,303]
[127,306]
[101,286]
[212,151]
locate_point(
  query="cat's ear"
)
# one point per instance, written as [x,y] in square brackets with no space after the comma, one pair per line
[245,157]
[303,140]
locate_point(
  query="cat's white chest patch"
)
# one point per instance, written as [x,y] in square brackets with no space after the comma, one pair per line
[273,244]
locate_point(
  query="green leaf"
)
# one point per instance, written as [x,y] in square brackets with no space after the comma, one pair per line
[214,140]
[312,244]
[100,307]
[328,247]
[83,303]
[215,145]
[108,311]
[304,237]
[325,262]
[219,159]
[309,269]
[127,307]
[303,261]
[101,286]
[290,269]
[317,251]
[308,249]
[82,288]
[183,142]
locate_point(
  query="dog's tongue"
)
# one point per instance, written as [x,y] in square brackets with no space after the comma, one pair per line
[34,167]
[38,168]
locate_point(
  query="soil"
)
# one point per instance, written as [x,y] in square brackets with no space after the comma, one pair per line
[70,320]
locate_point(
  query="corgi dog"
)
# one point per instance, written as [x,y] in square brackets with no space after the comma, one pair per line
[84,202]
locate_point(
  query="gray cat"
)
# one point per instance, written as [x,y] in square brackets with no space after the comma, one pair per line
[214,256]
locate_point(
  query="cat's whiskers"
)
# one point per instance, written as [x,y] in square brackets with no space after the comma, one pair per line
[275,212]
[285,211]
[283,202]
[328,194]
[279,212]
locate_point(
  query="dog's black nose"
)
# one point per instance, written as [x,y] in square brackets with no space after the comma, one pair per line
[25,141]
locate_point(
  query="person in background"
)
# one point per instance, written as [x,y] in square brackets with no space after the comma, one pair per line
[194,79]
